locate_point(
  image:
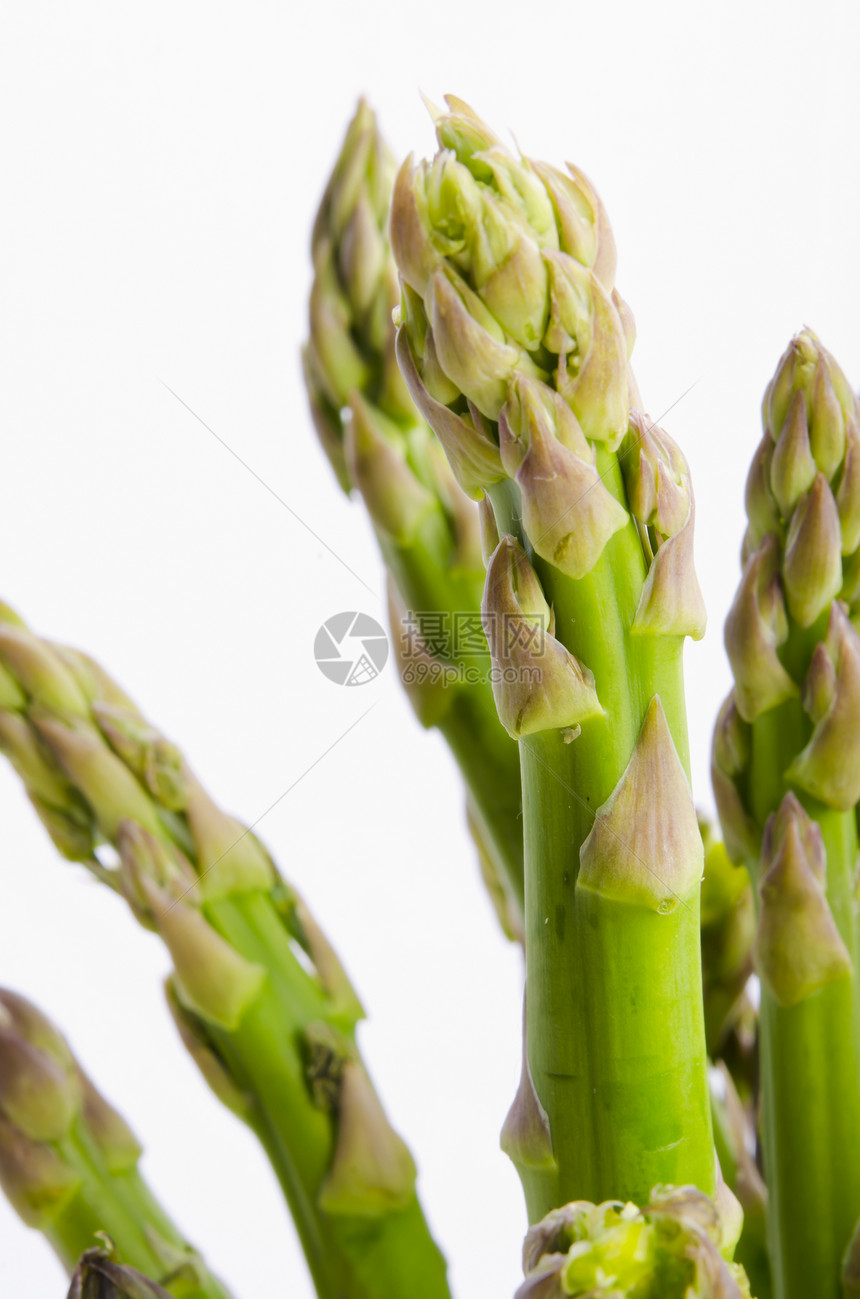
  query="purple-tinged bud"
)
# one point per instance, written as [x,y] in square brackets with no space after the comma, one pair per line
[417,258]
[812,567]
[465,133]
[42,777]
[396,501]
[568,513]
[798,948]
[40,671]
[34,1178]
[633,854]
[472,452]
[334,356]
[362,256]
[587,334]
[72,831]
[756,625]
[656,476]
[819,684]
[517,293]
[100,1276]
[520,184]
[583,227]
[790,815]
[156,762]
[762,510]
[525,1136]
[537,684]
[826,420]
[829,766]
[671,603]
[39,1090]
[110,789]
[730,756]
[469,343]
[489,528]
[848,492]
[326,421]
[792,468]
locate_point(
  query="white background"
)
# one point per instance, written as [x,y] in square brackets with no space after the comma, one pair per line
[161,164]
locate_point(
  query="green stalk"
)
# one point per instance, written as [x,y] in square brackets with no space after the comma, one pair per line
[616,1041]
[69,1163]
[348,1254]
[260,998]
[787,778]
[515,347]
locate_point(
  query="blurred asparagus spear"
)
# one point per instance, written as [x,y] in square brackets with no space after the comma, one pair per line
[515,347]
[427,529]
[68,1161]
[728,932]
[786,767]
[261,1000]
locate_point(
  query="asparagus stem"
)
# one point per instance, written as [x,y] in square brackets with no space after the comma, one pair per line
[787,779]
[810,1065]
[68,1162]
[514,345]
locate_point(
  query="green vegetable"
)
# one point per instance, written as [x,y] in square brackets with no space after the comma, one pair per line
[68,1161]
[515,343]
[261,999]
[786,765]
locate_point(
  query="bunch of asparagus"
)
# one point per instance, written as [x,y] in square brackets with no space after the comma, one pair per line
[468,373]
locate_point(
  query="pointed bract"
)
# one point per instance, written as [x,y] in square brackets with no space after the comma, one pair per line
[538,685]
[755,627]
[567,512]
[525,1136]
[372,1172]
[829,766]
[812,567]
[798,948]
[634,852]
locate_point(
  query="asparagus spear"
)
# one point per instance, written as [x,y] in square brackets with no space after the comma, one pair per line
[426,527]
[515,346]
[260,998]
[677,1247]
[68,1161]
[786,766]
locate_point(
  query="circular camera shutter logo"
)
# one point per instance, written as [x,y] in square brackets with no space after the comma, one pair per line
[351,649]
